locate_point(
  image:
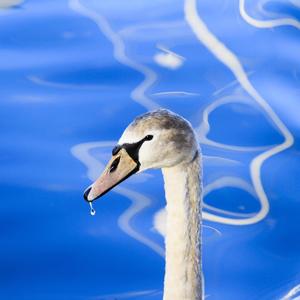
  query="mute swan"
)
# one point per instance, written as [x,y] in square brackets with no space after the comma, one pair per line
[162,139]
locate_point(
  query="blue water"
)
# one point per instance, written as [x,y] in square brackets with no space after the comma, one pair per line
[74,74]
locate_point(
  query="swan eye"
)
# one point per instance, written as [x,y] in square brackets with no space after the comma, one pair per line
[114,165]
[148,137]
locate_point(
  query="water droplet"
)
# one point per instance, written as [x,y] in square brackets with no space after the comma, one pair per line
[92,211]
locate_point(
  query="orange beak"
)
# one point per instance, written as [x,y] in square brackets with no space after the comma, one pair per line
[119,168]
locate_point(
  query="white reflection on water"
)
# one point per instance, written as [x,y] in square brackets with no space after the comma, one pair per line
[127,295]
[293,294]
[295,3]
[203,129]
[9,3]
[136,32]
[44,82]
[229,59]
[168,59]
[138,94]
[266,23]
[175,93]
[221,183]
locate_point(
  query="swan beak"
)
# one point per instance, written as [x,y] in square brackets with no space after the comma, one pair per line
[120,167]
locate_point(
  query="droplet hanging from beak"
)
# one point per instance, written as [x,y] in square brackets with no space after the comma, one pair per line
[92,211]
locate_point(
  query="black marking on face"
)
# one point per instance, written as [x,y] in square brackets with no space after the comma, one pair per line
[116,150]
[132,148]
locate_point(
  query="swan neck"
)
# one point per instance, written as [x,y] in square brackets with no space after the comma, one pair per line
[183,280]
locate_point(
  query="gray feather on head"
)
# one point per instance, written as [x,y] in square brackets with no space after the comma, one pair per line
[173,135]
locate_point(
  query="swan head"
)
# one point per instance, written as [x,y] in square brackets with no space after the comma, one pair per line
[157,139]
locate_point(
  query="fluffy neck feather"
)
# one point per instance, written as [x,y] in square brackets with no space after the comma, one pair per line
[183,279]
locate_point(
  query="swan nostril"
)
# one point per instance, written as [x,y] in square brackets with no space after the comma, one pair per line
[114,165]
[86,193]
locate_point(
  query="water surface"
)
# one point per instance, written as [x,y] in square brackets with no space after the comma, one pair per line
[74,74]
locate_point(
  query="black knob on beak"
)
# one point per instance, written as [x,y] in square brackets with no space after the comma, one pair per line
[86,193]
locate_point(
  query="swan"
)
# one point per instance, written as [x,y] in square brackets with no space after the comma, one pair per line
[163,139]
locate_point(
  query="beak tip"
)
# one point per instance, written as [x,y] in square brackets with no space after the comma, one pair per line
[86,194]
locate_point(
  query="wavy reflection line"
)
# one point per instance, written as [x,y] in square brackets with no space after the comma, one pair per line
[138,201]
[43,82]
[126,295]
[175,93]
[204,127]
[295,3]
[218,160]
[230,84]
[229,59]
[129,30]
[293,292]
[138,94]
[227,181]
[266,23]
[213,229]
[260,9]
